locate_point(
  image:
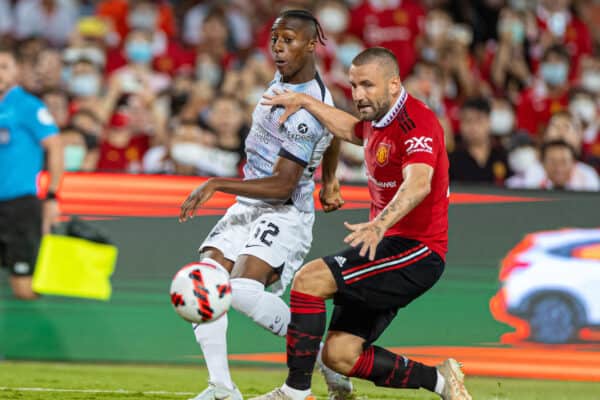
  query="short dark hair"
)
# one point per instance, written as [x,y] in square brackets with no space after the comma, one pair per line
[559,50]
[379,55]
[8,49]
[556,143]
[480,104]
[306,16]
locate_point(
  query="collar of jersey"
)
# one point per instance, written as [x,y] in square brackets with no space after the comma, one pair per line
[392,112]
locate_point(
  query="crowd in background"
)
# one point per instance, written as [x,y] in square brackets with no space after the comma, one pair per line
[169,87]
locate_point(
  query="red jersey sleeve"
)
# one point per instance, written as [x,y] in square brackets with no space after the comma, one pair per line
[422,145]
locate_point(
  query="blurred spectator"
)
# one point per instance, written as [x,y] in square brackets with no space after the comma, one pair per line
[590,75]
[84,84]
[226,118]
[57,102]
[394,24]
[510,71]
[237,22]
[76,155]
[139,14]
[52,19]
[351,167]
[524,163]
[583,107]
[558,25]
[89,124]
[502,118]
[437,27]
[425,84]
[49,69]
[121,150]
[476,159]
[547,95]
[560,161]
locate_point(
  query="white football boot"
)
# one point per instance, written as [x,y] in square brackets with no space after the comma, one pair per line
[214,391]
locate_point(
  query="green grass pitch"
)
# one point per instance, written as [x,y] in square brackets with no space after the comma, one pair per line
[64,381]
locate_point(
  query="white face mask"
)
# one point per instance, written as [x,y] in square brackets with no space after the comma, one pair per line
[209,72]
[435,28]
[557,23]
[521,159]
[187,153]
[583,109]
[333,20]
[502,121]
[590,80]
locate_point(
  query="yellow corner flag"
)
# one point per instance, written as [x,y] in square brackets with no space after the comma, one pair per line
[69,266]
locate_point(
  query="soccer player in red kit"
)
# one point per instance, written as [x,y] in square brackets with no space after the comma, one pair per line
[392,259]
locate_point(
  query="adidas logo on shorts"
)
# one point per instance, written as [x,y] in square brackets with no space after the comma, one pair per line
[340,260]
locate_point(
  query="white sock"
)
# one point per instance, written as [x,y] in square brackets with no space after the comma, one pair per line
[295,394]
[212,338]
[266,309]
[439,385]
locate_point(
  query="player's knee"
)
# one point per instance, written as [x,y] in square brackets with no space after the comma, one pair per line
[245,294]
[315,279]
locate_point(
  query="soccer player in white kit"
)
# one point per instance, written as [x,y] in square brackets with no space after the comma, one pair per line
[264,237]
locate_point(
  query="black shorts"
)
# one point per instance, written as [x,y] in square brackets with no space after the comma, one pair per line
[20,234]
[371,292]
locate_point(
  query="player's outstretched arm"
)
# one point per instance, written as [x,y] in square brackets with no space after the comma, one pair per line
[281,185]
[338,122]
[415,187]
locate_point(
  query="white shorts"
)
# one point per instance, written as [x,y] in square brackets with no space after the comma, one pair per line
[279,235]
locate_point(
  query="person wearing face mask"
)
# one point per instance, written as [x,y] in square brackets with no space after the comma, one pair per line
[583,107]
[137,75]
[119,12]
[76,156]
[509,67]
[502,118]
[523,160]
[557,24]
[547,95]
[84,85]
[437,26]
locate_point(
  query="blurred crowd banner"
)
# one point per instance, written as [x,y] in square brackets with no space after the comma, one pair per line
[518,298]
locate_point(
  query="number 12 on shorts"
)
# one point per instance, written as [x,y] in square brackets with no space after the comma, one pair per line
[264,230]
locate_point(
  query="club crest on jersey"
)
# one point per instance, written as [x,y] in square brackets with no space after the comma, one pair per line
[382,154]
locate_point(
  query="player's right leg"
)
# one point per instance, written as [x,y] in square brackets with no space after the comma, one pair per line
[220,248]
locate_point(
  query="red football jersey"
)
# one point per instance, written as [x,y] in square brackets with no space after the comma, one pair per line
[409,133]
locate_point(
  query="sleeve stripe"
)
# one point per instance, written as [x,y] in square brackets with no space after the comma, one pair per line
[286,154]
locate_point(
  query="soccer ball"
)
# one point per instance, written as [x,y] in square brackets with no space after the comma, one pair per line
[200,292]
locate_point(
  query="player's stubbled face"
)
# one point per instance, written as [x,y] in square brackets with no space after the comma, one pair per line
[292,46]
[8,72]
[370,91]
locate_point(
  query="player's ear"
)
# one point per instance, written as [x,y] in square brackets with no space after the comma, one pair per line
[395,85]
[312,44]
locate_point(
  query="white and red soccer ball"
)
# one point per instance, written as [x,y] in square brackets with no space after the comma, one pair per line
[200,292]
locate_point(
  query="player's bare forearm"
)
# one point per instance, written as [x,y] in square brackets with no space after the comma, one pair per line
[273,187]
[414,189]
[338,122]
[56,164]
[330,161]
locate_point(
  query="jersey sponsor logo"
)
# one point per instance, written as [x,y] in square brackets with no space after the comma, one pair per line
[340,260]
[383,185]
[44,116]
[419,144]
[302,128]
[382,154]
